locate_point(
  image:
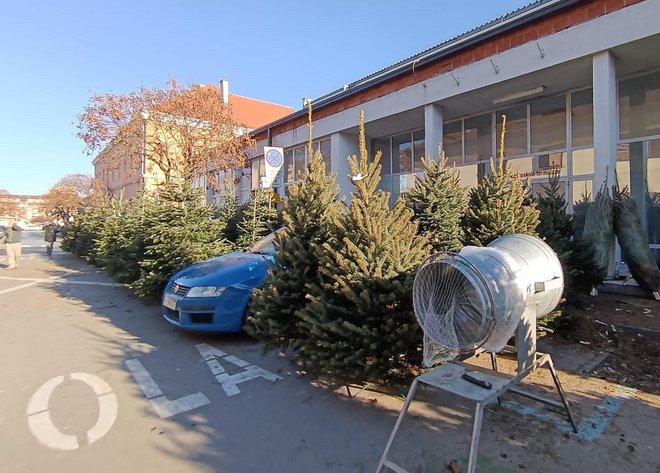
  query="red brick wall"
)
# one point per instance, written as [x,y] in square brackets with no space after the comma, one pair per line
[571,16]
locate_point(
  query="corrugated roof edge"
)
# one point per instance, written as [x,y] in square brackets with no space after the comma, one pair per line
[499,25]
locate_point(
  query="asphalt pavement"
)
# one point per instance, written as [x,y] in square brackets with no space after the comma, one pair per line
[93,379]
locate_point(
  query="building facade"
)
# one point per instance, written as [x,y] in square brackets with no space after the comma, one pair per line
[123,173]
[579,82]
[26,207]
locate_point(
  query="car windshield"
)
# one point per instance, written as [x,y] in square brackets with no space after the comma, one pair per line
[265,246]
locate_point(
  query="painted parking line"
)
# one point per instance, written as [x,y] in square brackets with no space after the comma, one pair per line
[23,286]
[590,428]
[46,432]
[229,382]
[35,281]
[163,406]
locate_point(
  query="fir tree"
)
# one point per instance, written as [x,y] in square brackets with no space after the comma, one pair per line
[229,213]
[438,202]
[555,224]
[80,236]
[499,205]
[121,239]
[259,217]
[310,210]
[359,321]
[180,230]
[557,228]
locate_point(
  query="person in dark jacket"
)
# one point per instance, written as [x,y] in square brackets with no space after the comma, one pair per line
[50,236]
[12,237]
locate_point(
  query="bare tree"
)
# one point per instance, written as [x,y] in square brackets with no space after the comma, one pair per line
[8,206]
[185,131]
[83,183]
[62,201]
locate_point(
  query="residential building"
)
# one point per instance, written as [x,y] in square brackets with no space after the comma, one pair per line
[124,173]
[26,207]
[579,82]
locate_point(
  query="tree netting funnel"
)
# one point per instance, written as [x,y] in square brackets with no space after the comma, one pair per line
[476,298]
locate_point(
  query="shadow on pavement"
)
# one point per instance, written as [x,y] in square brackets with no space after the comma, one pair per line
[299,424]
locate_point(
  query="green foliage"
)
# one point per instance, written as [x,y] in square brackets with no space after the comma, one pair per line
[259,217]
[143,242]
[359,320]
[555,224]
[580,209]
[309,212]
[498,206]
[438,202]
[599,229]
[556,227]
[229,213]
[634,242]
[80,236]
[120,239]
[180,230]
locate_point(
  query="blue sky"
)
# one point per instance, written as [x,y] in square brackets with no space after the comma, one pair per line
[54,55]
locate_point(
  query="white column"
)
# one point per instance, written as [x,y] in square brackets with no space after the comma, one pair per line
[432,130]
[606,119]
[606,126]
[343,145]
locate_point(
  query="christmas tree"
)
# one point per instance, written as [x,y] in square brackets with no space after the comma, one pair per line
[121,238]
[439,201]
[359,321]
[555,224]
[259,217]
[179,231]
[499,205]
[557,228]
[229,213]
[309,212]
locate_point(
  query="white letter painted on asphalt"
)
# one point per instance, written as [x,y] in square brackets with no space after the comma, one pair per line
[229,382]
[163,406]
[48,434]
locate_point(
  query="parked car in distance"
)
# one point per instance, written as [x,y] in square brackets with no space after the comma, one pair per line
[213,296]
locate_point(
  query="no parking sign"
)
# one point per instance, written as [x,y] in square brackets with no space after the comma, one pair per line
[274,158]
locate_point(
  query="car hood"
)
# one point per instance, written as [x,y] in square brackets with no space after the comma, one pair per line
[226,270]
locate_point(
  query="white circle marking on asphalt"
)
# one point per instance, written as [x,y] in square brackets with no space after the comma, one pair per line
[48,434]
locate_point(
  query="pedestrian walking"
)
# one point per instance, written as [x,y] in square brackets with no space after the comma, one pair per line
[51,230]
[12,238]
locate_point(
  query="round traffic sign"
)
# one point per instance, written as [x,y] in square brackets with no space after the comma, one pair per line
[274,158]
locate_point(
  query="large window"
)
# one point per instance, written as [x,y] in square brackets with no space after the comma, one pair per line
[258,171]
[638,168]
[515,139]
[383,146]
[582,117]
[452,142]
[299,161]
[639,107]
[400,153]
[418,150]
[288,171]
[478,138]
[401,160]
[548,123]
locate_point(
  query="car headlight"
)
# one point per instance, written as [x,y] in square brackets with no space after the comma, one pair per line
[205,291]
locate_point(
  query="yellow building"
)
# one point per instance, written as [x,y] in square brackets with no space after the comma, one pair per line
[126,168]
[26,207]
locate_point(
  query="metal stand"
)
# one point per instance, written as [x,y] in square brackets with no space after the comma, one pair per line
[449,378]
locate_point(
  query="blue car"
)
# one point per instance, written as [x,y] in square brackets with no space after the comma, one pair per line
[213,296]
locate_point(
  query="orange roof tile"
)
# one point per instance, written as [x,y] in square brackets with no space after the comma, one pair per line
[254,113]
